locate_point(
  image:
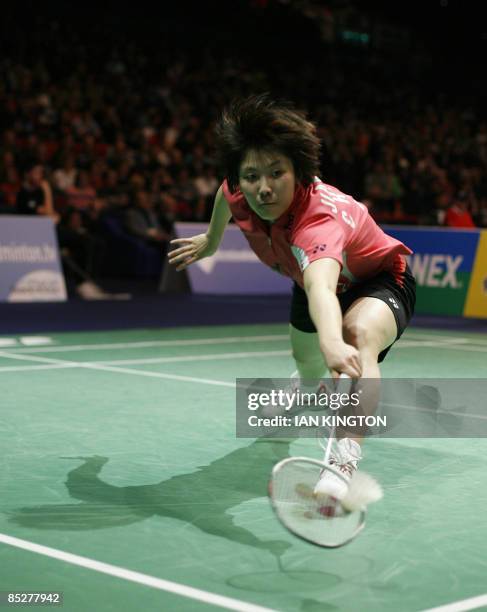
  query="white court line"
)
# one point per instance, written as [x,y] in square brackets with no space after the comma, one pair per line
[126,574]
[412,340]
[38,367]
[448,346]
[216,356]
[422,336]
[433,411]
[108,365]
[409,337]
[400,344]
[60,364]
[55,364]
[149,344]
[99,367]
[456,347]
[206,381]
[209,357]
[473,603]
[403,343]
[409,334]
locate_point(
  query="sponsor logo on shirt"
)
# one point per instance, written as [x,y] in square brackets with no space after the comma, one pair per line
[394,303]
[301,256]
[319,248]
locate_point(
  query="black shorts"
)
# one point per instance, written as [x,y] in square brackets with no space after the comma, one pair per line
[400,297]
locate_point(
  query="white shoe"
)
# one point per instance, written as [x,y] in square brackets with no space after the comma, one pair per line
[88,290]
[344,461]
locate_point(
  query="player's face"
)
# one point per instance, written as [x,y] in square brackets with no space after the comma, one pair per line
[268,182]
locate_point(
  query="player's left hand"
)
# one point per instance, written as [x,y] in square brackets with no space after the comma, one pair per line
[189,250]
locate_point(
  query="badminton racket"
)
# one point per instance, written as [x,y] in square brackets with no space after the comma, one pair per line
[320,519]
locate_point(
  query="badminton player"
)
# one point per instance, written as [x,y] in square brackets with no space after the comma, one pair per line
[353,292]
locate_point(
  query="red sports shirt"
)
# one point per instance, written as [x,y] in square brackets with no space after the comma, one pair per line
[321,222]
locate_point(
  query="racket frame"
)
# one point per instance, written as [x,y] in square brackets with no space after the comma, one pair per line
[323,466]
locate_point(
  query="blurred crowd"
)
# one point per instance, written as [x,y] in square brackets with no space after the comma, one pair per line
[115,139]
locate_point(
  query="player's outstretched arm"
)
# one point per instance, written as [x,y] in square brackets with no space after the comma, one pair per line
[189,250]
[320,282]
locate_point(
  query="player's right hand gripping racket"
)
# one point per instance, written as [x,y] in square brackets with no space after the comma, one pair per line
[319,519]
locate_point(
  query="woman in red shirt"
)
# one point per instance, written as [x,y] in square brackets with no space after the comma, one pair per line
[353,293]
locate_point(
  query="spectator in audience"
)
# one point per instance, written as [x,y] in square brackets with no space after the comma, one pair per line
[35,198]
[185,193]
[9,187]
[114,194]
[78,242]
[382,187]
[141,220]
[81,196]
[65,178]
[145,117]
[457,214]
[35,195]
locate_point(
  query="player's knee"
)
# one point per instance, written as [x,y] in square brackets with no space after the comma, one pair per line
[358,335]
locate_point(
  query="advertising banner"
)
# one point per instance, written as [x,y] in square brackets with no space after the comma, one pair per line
[233,269]
[443,263]
[30,268]
[450,267]
[476,304]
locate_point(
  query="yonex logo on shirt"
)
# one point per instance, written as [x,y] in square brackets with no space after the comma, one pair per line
[319,248]
[394,303]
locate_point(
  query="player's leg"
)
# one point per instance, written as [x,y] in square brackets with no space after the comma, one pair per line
[306,354]
[304,339]
[375,315]
[370,326]
[309,364]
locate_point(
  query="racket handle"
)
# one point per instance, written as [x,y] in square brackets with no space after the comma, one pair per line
[342,385]
[329,444]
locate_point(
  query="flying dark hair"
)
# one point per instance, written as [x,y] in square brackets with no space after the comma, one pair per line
[258,122]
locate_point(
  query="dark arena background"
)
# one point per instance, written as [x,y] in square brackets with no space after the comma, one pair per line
[123,485]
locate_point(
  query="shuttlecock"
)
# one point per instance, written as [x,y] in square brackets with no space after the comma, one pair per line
[362,491]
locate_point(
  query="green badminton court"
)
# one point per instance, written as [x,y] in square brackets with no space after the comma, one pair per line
[124,486]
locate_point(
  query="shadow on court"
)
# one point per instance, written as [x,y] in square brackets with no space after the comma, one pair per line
[202,498]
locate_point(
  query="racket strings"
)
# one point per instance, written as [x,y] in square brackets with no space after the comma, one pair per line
[321,520]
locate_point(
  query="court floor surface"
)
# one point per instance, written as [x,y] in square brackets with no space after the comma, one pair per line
[124,486]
